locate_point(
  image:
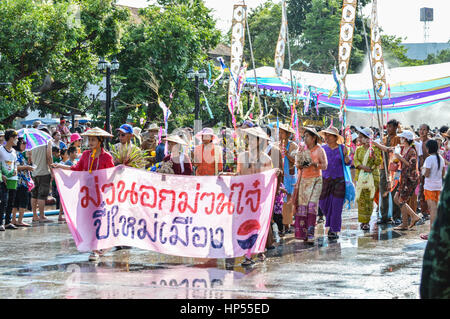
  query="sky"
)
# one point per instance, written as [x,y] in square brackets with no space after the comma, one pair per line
[397,17]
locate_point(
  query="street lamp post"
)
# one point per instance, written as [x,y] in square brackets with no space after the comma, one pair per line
[196,75]
[104,66]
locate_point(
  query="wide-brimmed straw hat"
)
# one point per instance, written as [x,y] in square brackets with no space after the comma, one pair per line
[153,127]
[286,128]
[257,132]
[333,131]
[367,132]
[175,139]
[206,131]
[312,130]
[96,131]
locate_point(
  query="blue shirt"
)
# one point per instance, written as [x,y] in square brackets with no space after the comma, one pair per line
[160,152]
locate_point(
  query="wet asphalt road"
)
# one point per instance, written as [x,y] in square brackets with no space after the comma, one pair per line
[43,262]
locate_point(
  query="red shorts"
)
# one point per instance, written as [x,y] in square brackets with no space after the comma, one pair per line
[432,195]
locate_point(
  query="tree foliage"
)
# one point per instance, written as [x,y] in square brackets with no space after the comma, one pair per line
[49,56]
[169,41]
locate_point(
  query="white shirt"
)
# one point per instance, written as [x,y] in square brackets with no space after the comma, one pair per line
[8,161]
[418,147]
[434,181]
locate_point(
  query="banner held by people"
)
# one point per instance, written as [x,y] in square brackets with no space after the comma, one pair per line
[204,217]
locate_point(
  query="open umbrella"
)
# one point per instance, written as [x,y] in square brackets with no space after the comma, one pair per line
[34,137]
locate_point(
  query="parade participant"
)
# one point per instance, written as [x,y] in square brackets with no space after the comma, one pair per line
[367,176]
[208,155]
[409,178]
[389,141]
[310,161]
[125,136]
[177,159]
[24,177]
[252,161]
[8,185]
[333,188]
[42,159]
[63,130]
[422,153]
[150,138]
[160,148]
[94,158]
[288,148]
[433,170]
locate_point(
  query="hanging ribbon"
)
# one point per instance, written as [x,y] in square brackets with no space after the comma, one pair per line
[207,106]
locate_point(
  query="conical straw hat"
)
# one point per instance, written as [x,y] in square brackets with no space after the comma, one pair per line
[96,131]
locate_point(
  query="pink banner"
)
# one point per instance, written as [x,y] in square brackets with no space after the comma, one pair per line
[190,216]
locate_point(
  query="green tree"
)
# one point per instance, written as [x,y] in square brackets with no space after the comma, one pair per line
[49,56]
[169,41]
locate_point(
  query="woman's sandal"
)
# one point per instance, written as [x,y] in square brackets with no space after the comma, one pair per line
[400,227]
[413,223]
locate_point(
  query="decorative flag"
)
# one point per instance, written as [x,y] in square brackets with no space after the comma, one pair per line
[237,52]
[347,27]
[377,54]
[281,44]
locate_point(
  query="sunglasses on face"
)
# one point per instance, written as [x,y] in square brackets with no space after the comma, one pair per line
[122,134]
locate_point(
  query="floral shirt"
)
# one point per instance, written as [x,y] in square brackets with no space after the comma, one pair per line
[24,176]
[279,201]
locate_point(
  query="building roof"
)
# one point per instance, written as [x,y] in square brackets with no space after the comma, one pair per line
[420,51]
[220,50]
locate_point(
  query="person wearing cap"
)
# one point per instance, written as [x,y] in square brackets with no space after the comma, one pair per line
[177,157]
[367,177]
[287,148]
[149,137]
[310,161]
[207,156]
[8,183]
[332,197]
[64,130]
[126,134]
[409,179]
[95,158]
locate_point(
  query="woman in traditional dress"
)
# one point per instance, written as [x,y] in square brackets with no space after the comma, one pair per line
[94,158]
[333,188]
[288,149]
[310,162]
[177,161]
[254,161]
[409,179]
[367,160]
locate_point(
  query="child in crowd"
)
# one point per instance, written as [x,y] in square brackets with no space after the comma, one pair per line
[278,206]
[72,154]
[64,155]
